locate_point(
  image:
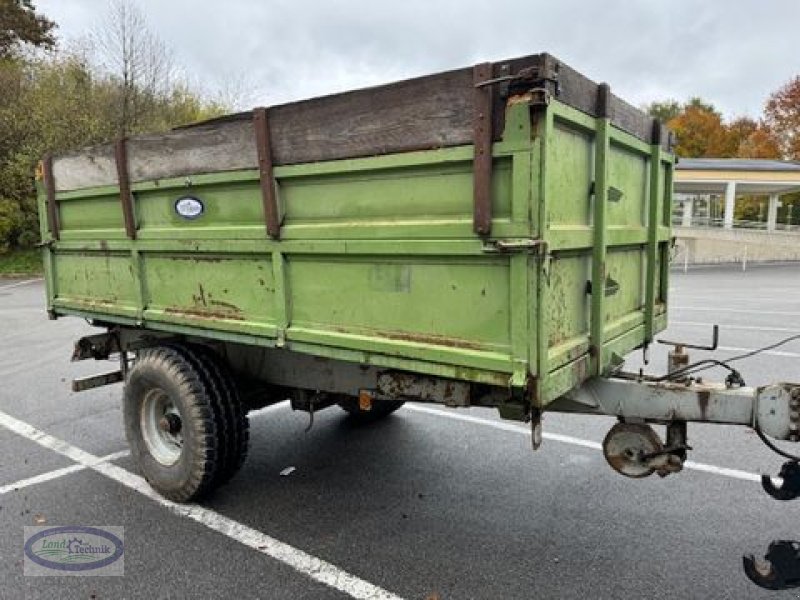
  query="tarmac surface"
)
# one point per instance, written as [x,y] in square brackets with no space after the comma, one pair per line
[430,504]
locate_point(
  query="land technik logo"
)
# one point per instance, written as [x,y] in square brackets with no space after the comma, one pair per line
[74,550]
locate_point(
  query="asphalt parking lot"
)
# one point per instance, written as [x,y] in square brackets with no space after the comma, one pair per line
[428,504]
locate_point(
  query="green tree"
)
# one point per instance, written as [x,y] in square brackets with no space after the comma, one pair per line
[665,110]
[21,24]
[62,101]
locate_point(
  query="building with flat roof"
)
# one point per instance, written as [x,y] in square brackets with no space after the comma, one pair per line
[707,189]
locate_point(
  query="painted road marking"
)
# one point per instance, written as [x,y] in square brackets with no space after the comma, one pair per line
[55,474]
[311,566]
[267,409]
[767,352]
[21,283]
[742,327]
[737,310]
[567,439]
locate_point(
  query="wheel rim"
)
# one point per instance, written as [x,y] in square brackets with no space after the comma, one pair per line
[162,427]
[626,444]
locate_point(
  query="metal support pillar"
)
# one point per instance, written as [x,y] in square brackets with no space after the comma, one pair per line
[772,212]
[730,204]
[688,207]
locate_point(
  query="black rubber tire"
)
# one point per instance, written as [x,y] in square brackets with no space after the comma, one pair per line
[237,426]
[195,471]
[380,409]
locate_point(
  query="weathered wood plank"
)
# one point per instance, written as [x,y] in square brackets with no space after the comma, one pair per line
[422,113]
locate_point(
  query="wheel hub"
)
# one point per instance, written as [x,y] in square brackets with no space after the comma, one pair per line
[170,423]
[162,427]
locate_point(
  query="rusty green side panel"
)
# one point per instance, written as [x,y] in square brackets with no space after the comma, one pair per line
[377,261]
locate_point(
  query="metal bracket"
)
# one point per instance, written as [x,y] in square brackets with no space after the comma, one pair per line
[713,346]
[482,159]
[529,79]
[98,346]
[269,195]
[95,381]
[125,195]
[50,193]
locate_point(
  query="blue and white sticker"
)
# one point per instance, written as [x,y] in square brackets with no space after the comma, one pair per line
[189,207]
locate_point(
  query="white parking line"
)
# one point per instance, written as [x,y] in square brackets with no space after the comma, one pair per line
[745,311]
[767,352]
[741,327]
[267,409]
[567,439]
[55,474]
[14,285]
[311,566]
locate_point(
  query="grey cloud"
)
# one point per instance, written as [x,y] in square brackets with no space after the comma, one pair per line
[733,53]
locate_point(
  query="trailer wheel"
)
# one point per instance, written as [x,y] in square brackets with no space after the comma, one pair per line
[171,425]
[233,427]
[233,414]
[379,410]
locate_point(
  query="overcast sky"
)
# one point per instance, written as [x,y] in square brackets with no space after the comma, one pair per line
[731,52]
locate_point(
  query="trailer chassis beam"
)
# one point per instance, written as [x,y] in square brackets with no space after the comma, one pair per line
[774,409]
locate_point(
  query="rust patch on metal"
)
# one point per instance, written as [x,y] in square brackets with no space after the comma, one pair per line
[196,257]
[703,399]
[526,98]
[203,300]
[204,313]
[99,301]
[225,305]
[201,297]
[421,338]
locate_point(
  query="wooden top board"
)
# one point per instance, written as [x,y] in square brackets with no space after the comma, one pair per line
[416,114]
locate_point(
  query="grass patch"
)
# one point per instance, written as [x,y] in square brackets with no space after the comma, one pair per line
[21,262]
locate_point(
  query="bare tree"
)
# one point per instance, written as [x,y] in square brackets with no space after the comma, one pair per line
[135,57]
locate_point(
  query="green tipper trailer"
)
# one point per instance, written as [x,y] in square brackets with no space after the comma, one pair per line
[491,236]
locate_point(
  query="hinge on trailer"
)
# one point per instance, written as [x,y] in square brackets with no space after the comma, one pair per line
[533,246]
[540,80]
